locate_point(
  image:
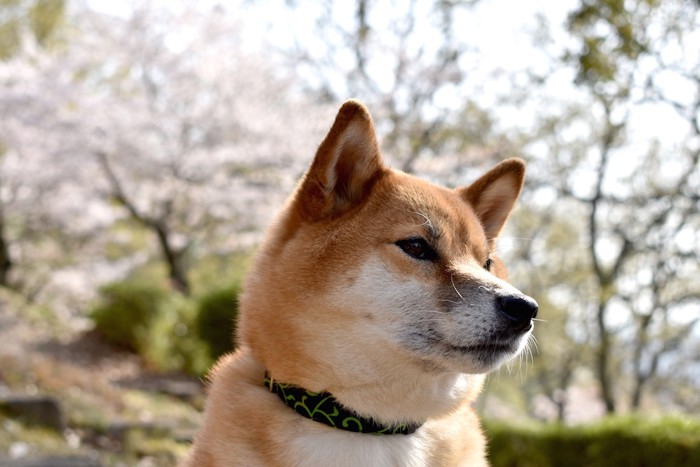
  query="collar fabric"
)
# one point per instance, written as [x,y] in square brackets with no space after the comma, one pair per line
[323,408]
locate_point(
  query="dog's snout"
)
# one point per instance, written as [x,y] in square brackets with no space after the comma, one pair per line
[521,309]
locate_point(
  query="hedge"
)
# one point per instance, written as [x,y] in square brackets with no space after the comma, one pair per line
[614,442]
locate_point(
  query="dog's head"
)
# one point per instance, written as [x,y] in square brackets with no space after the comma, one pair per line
[372,270]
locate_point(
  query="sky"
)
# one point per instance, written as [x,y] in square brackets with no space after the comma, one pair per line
[504,32]
[504,27]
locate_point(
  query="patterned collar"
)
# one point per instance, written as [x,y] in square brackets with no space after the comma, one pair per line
[323,408]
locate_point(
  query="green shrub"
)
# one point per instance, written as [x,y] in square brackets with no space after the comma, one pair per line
[216,320]
[125,311]
[613,442]
[169,331]
[216,272]
[170,342]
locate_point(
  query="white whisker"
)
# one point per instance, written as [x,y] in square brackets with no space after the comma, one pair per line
[452,279]
[533,340]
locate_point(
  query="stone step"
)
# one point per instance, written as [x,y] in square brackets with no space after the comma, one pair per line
[36,411]
[51,461]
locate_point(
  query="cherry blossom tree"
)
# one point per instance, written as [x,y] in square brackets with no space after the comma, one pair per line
[159,118]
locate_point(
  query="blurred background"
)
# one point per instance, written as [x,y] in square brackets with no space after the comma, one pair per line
[144,145]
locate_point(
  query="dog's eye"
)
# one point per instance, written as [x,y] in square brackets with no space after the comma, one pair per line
[488,264]
[417,248]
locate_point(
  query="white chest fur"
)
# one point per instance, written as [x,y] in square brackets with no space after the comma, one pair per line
[338,448]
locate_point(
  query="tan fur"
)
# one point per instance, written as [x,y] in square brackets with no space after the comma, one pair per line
[333,304]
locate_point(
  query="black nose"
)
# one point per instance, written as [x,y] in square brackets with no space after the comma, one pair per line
[520,309]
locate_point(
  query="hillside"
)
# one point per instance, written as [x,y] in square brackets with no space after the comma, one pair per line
[85,402]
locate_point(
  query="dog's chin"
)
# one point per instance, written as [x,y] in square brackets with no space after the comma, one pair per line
[484,358]
[476,358]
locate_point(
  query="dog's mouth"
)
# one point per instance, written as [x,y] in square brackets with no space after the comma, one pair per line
[485,356]
[485,353]
[487,348]
[482,356]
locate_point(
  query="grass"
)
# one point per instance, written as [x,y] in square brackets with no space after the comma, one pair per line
[149,427]
[15,437]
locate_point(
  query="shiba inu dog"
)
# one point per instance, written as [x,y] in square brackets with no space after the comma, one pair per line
[374,308]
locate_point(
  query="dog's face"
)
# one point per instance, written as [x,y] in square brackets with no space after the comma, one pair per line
[369,267]
[428,273]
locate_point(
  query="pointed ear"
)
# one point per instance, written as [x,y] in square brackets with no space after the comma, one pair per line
[494,194]
[345,168]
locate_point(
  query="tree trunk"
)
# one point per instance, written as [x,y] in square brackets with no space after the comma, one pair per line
[636,400]
[177,272]
[561,410]
[602,360]
[564,381]
[605,278]
[5,260]
[174,260]
[640,377]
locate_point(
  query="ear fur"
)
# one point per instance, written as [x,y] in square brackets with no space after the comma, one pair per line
[494,194]
[346,165]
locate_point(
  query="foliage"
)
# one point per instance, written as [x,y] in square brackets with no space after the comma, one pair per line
[42,18]
[170,342]
[611,35]
[126,310]
[149,320]
[172,332]
[216,320]
[219,271]
[612,442]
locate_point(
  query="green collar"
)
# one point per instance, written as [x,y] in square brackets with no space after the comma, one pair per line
[323,408]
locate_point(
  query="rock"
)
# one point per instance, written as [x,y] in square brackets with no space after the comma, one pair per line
[184,435]
[52,461]
[179,386]
[183,390]
[37,411]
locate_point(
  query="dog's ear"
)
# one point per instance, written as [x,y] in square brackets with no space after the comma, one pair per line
[494,194]
[346,165]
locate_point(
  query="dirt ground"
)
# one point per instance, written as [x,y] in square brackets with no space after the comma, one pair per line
[116,411]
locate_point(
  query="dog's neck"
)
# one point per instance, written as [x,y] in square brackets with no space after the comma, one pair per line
[322,407]
[396,397]
[412,399]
